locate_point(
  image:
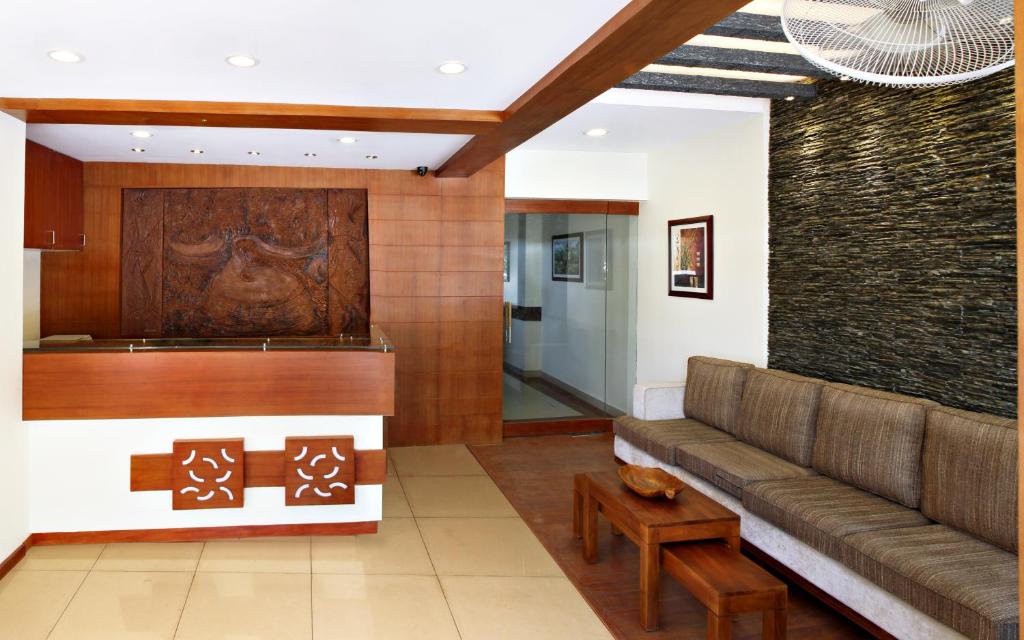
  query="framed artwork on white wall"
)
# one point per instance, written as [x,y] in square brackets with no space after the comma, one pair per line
[691,266]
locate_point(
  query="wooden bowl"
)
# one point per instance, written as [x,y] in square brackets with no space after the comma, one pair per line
[650,482]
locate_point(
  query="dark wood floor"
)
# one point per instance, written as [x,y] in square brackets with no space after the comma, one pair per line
[536,476]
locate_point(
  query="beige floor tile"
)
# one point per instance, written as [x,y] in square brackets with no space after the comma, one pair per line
[395,504]
[488,608]
[455,497]
[380,608]
[31,602]
[396,548]
[436,460]
[285,555]
[112,605]
[150,556]
[391,467]
[69,557]
[253,606]
[485,547]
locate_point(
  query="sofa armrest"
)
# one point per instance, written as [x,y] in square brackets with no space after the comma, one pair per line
[659,400]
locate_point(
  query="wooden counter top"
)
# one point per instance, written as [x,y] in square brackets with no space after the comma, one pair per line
[176,384]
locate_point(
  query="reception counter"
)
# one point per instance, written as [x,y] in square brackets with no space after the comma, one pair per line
[176,439]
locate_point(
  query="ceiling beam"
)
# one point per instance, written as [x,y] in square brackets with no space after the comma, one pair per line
[641,32]
[743,60]
[718,86]
[751,26]
[251,115]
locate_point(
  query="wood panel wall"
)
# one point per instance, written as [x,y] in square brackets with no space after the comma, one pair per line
[436,251]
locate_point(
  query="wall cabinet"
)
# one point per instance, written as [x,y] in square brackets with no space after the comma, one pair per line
[54,208]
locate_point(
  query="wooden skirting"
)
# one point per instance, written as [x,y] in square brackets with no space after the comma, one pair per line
[10,561]
[152,471]
[552,427]
[204,533]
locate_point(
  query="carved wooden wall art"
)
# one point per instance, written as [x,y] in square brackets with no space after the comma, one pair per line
[319,470]
[208,474]
[244,262]
[322,455]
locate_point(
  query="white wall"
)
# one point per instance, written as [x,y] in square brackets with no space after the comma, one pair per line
[576,175]
[14,527]
[30,293]
[724,174]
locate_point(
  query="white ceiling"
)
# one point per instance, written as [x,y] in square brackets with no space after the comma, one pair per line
[637,122]
[277,147]
[643,121]
[345,52]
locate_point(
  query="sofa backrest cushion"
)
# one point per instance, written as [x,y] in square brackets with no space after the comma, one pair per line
[779,412]
[872,440]
[713,391]
[969,474]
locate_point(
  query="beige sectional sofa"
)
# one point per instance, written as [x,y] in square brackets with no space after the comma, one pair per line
[918,499]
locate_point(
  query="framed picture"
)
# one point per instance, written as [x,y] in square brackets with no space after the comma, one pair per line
[508,261]
[691,266]
[567,257]
[597,247]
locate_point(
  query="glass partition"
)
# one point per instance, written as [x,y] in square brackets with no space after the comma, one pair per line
[570,308]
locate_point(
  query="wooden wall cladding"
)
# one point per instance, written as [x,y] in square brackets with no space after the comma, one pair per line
[155,471]
[189,384]
[244,262]
[436,252]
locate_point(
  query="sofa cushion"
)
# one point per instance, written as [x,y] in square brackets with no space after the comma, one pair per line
[957,579]
[731,466]
[872,440]
[713,391]
[822,511]
[661,437]
[969,474]
[778,413]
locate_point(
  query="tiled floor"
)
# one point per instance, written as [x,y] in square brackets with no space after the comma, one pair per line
[523,402]
[451,560]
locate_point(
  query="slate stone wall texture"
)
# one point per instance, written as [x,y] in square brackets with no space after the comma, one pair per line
[891,233]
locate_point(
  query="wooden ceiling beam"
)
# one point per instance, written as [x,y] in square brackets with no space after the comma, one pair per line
[743,60]
[641,32]
[250,115]
[719,86]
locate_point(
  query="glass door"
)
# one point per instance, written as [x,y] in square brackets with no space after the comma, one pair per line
[569,316]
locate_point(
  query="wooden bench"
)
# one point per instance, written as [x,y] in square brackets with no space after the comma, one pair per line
[727,583]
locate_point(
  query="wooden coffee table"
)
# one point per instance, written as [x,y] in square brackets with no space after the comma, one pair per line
[649,523]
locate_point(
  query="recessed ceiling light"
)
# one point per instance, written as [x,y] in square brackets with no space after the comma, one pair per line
[254,153]
[141,134]
[196,152]
[372,156]
[452,68]
[63,55]
[595,133]
[790,98]
[138,150]
[309,155]
[239,60]
[347,140]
